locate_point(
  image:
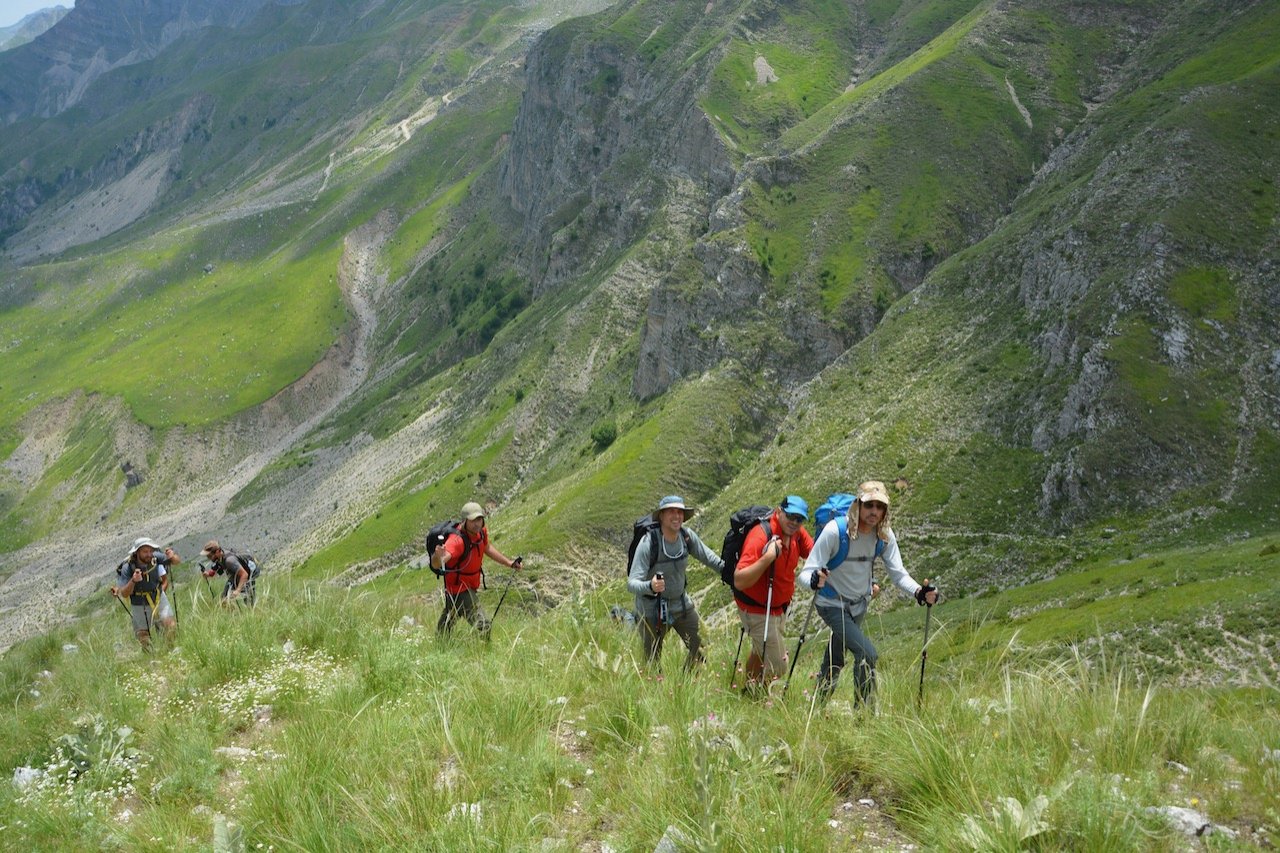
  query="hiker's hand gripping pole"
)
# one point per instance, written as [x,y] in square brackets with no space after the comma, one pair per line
[115,593]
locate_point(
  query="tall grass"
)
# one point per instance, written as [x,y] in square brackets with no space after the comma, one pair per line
[358,728]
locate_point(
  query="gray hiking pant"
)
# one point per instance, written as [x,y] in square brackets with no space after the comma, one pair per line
[846,635]
[465,604]
[685,624]
[248,593]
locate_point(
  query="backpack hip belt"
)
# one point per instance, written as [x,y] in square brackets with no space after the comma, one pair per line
[846,602]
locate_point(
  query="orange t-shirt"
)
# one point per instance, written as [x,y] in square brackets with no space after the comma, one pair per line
[783,568]
[466,574]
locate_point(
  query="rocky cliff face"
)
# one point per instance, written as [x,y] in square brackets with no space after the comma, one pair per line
[601,139]
[113,193]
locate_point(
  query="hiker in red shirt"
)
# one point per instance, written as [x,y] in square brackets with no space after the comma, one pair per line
[461,557]
[764,581]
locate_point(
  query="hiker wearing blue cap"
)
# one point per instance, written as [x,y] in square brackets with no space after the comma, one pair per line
[765,579]
[657,578]
[839,569]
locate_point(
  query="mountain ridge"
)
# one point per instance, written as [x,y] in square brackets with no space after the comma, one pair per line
[907,257]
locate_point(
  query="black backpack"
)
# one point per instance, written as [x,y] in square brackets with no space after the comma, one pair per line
[740,524]
[438,534]
[646,526]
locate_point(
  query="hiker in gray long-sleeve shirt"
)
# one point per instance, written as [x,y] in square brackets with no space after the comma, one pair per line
[844,591]
[657,578]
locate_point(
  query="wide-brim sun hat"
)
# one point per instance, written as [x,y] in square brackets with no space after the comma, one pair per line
[873,490]
[142,541]
[672,502]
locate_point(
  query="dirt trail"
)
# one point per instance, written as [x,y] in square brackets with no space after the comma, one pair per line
[57,572]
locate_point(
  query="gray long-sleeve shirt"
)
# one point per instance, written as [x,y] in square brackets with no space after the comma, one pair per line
[852,578]
[672,561]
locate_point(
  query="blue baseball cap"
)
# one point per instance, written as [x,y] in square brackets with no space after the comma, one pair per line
[795,505]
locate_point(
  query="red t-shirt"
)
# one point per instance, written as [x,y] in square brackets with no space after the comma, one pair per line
[467,575]
[783,568]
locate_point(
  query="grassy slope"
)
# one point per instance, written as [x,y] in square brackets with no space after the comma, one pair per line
[557,732]
[161,279]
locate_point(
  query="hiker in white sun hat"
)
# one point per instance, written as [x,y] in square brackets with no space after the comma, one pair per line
[844,585]
[143,579]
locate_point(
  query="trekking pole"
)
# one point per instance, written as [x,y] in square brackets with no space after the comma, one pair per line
[764,644]
[125,606]
[733,673]
[924,650]
[511,576]
[173,601]
[804,632]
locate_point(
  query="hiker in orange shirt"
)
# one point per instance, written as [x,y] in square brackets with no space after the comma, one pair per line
[461,559]
[764,581]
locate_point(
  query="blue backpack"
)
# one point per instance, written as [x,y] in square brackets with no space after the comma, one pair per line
[842,525]
[833,507]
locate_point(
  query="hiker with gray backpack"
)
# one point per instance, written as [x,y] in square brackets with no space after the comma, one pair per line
[839,570]
[241,571]
[659,559]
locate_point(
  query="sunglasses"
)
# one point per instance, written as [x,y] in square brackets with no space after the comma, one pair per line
[796,517]
[875,505]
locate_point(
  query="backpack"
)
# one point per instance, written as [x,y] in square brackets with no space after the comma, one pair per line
[842,525]
[150,583]
[247,560]
[740,524]
[436,537]
[833,507]
[646,526]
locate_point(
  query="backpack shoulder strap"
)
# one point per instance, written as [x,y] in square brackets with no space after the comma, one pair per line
[652,535]
[879,547]
[842,524]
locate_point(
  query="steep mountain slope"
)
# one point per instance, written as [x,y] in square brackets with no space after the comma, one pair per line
[1016,257]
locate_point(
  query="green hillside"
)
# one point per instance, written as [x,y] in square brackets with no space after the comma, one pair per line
[311,283]
[1055,716]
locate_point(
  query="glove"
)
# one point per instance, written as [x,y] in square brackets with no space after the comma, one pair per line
[923,591]
[209,573]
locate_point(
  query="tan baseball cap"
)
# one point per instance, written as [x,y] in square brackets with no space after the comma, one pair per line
[471,510]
